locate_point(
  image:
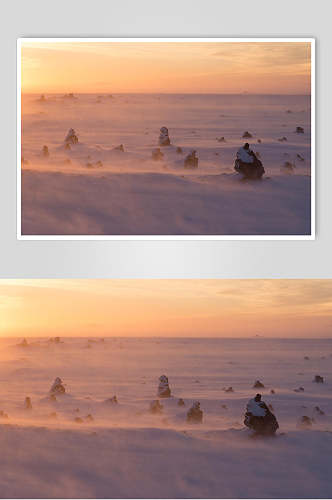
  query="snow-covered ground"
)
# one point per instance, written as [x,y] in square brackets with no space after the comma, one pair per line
[95,189]
[127,452]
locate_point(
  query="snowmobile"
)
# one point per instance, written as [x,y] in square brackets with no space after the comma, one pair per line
[259,418]
[247,164]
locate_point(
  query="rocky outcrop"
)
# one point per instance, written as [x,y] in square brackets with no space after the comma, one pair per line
[164,139]
[195,414]
[163,389]
[157,154]
[248,164]
[57,387]
[318,379]
[71,137]
[113,400]
[191,160]
[156,407]
[260,418]
[305,421]
[27,403]
[258,385]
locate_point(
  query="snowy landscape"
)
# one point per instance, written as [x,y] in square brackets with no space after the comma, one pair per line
[118,180]
[84,443]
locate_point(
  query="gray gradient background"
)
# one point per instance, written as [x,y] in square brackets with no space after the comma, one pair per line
[166,259]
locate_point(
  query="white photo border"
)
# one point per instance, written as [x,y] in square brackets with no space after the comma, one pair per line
[311,236]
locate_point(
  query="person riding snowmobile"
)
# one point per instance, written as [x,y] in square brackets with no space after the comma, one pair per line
[260,418]
[248,164]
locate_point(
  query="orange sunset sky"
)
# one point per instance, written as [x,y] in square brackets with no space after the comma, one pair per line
[230,308]
[178,67]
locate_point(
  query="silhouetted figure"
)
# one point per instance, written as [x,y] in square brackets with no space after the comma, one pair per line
[195,414]
[260,418]
[248,164]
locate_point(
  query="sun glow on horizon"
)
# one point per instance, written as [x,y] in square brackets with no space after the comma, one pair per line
[188,308]
[158,67]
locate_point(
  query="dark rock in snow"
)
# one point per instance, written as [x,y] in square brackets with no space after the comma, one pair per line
[228,389]
[260,418]
[163,388]
[191,160]
[164,139]
[156,407]
[282,139]
[119,148]
[179,150]
[78,420]
[181,402]
[3,414]
[27,403]
[319,411]
[45,152]
[248,164]
[247,135]
[300,389]
[113,400]
[305,421]
[157,154]
[299,130]
[258,385]
[57,387]
[71,137]
[221,139]
[195,414]
[318,379]
[272,391]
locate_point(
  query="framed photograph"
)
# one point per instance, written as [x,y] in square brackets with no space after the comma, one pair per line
[166,138]
[165,389]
